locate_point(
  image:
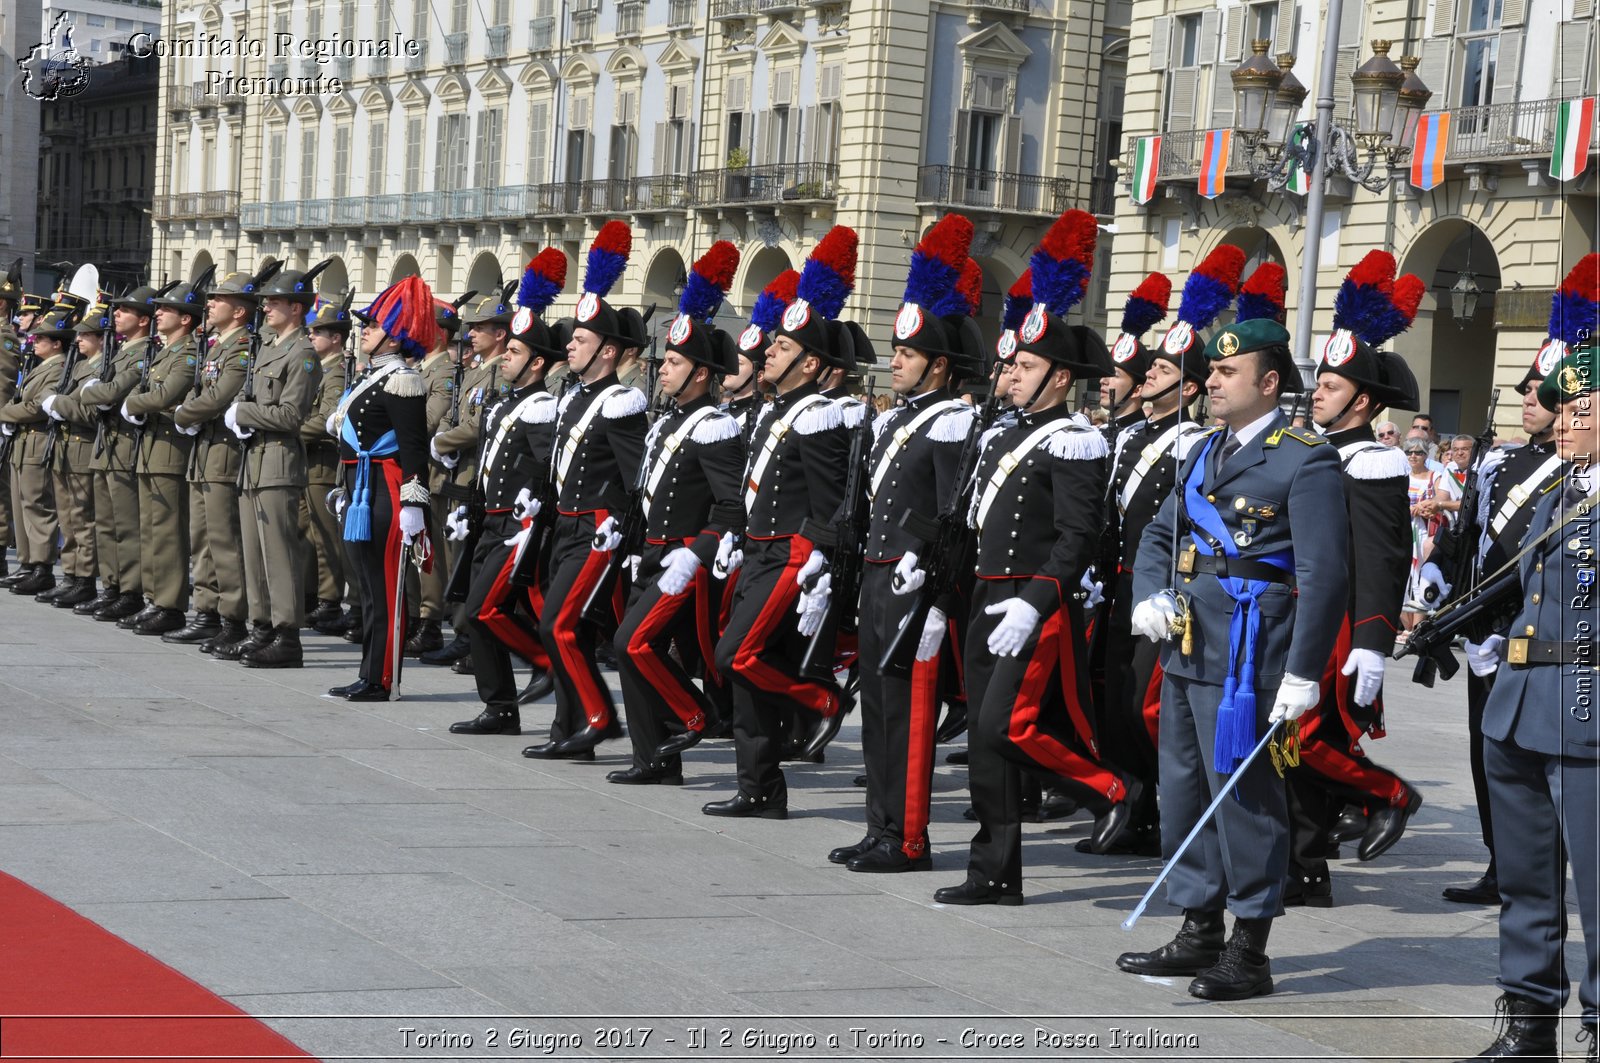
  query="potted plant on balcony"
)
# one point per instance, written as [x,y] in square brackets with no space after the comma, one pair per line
[738,181]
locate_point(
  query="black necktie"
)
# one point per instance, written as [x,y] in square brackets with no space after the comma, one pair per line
[1229,449]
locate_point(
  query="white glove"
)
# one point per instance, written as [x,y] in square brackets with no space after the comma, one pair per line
[1367,667]
[679,568]
[91,382]
[606,537]
[334,500]
[332,424]
[131,418]
[729,557]
[192,430]
[814,564]
[1484,657]
[449,461]
[455,525]
[933,630]
[1432,589]
[1017,621]
[1153,617]
[1295,697]
[48,405]
[1095,589]
[907,576]
[813,604]
[410,522]
[8,429]
[231,420]
[526,507]
[631,562]
[518,541]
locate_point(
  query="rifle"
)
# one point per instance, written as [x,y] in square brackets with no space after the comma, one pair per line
[946,542]
[1455,551]
[200,333]
[845,538]
[23,368]
[110,347]
[52,433]
[248,392]
[152,352]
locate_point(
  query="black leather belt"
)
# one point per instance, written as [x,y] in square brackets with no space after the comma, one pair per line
[1542,651]
[1191,562]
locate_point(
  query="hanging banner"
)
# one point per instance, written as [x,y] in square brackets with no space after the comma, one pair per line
[1427,153]
[1214,162]
[1146,164]
[1572,138]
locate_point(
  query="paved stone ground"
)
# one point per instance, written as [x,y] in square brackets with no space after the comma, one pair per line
[302,856]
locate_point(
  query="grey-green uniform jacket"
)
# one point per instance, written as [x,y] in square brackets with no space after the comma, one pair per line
[81,406]
[26,411]
[75,439]
[288,374]
[163,450]
[10,359]
[216,450]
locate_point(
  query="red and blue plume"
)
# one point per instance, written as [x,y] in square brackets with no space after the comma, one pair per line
[937,262]
[1211,287]
[608,257]
[966,298]
[1019,300]
[404,311]
[772,301]
[542,280]
[1063,261]
[1575,308]
[1263,293]
[1147,304]
[709,280]
[829,275]
[314,309]
[1364,304]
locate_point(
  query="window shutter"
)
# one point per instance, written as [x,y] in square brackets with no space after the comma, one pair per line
[1221,99]
[1342,89]
[958,142]
[588,157]
[782,88]
[1182,86]
[738,94]
[1160,41]
[1206,54]
[539,143]
[1350,20]
[1513,12]
[806,143]
[480,161]
[832,82]
[1507,67]
[628,108]
[686,158]
[1434,70]
[758,149]
[1013,149]
[1288,22]
[1572,60]
[1582,9]
[1444,19]
[1233,35]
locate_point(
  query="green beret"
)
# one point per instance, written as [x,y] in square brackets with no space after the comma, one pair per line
[1260,334]
[1576,374]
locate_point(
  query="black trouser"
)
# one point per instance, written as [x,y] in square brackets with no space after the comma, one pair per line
[1478,688]
[1125,722]
[761,651]
[495,618]
[582,696]
[898,718]
[376,562]
[659,695]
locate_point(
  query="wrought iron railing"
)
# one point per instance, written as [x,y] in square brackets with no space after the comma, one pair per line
[1021,193]
[455,49]
[1017,6]
[282,215]
[1504,131]
[680,14]
[721,9]
[423,206]
[465,204]
[316,213]
[350,210]
[252,216]
[630,18]
[499,37]
[386,209]
[782,183]
[542,34]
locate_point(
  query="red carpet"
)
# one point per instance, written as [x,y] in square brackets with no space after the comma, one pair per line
[72,990]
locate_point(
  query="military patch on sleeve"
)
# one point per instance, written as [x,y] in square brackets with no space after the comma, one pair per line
[244,361]
[311,365]
[189,361]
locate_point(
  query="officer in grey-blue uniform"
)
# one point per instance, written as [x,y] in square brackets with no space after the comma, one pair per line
[1541,731]
[1262,577]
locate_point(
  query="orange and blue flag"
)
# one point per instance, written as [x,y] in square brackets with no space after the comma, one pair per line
[1427,154]
[1214,161]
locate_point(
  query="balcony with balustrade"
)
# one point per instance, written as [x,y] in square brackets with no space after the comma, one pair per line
[987,190]
[455,49]
[498,42]
[770,186]
[542,35]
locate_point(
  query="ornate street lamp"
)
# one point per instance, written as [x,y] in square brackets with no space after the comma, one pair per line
[1255,87]
[1465,291]
[1376,90]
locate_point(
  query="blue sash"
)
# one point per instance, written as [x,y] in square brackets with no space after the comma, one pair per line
[358,517]
[1236,715]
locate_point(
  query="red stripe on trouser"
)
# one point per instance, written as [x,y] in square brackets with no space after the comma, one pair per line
[1151,708]
[393,544]
[1069,683]
[702,624]
[958,658]
[494,617]
[1334,763]
[683,703]
[568,617]
[747,661]
[1338,691]
[1024,733]
[919,755]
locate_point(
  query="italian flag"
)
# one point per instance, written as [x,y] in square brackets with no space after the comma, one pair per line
[1146,163]
[1298,182]
[1573,132]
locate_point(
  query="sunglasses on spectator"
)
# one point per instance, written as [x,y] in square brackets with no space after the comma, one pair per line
[1389,432]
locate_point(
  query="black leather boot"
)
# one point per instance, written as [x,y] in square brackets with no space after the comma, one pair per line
[490,722]
[128,603]
[426,637]
[1195,947]
[260,635]
[1527,1031]
[1386,824]
[40,579]
[163,622]
[82,594]
[49,594]
[1243,970]
[540,685]
[7,577]
[326,617]
[204,625]
[282,652]
[974,891]
[230,631]
[128,623]
[449,653]
[107,595]
[889,857]
[743,806]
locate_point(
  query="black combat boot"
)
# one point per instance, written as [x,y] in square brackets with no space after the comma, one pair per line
[1527,1031]
[425,638]
[260,634]
[206,624]
[107,595]
[1243,970]
[230,631]
[82,594]
[50,594]
[451,652]
[7,577]
[327,618]
[163,622]
[128,623]
[282,652]
[40,579]
[1195,948]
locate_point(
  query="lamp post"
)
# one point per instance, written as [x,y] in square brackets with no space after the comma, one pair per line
[1387,101]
